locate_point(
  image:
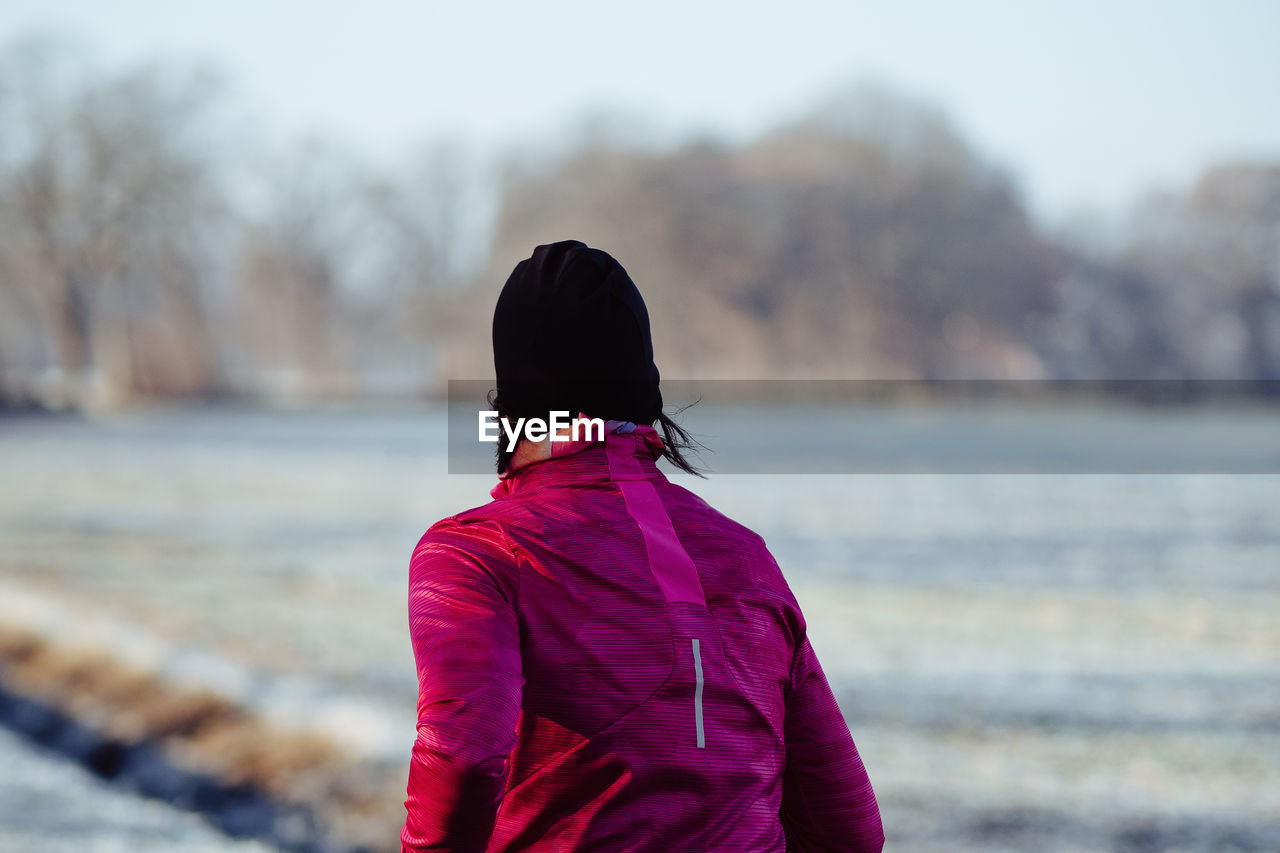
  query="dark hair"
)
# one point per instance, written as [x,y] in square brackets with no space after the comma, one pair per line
[675,438]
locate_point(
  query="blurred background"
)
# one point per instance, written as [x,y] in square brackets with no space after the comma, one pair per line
[244,247]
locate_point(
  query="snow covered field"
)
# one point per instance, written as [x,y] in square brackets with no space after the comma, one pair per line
[53,806]
[1027,662]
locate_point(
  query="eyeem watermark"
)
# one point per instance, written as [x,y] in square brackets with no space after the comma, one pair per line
[560,428]
[832,426]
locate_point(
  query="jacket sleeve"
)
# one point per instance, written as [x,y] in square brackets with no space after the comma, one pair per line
[466,642]
[827,800]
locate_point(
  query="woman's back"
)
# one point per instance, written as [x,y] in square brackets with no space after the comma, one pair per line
[607,663]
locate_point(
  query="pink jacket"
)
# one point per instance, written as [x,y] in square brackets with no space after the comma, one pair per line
[606,663]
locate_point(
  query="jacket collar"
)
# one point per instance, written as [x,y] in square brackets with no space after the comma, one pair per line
[588,459]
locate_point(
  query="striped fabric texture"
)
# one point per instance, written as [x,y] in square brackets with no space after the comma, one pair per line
[606,663]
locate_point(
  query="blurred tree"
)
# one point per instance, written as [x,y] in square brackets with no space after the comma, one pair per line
[296,255]
[108,190]
[345,275]
[1191,291]
[866,238]
[839,245]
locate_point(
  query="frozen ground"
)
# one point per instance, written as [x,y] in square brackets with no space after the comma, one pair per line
[52,806]
[1027,662]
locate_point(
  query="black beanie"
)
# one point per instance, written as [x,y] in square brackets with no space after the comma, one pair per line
[571,333]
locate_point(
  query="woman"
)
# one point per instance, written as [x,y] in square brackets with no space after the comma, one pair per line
[605,662]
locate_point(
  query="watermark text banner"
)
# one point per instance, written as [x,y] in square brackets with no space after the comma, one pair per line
[961,427]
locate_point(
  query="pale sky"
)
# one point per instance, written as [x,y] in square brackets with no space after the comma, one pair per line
[1088,102]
